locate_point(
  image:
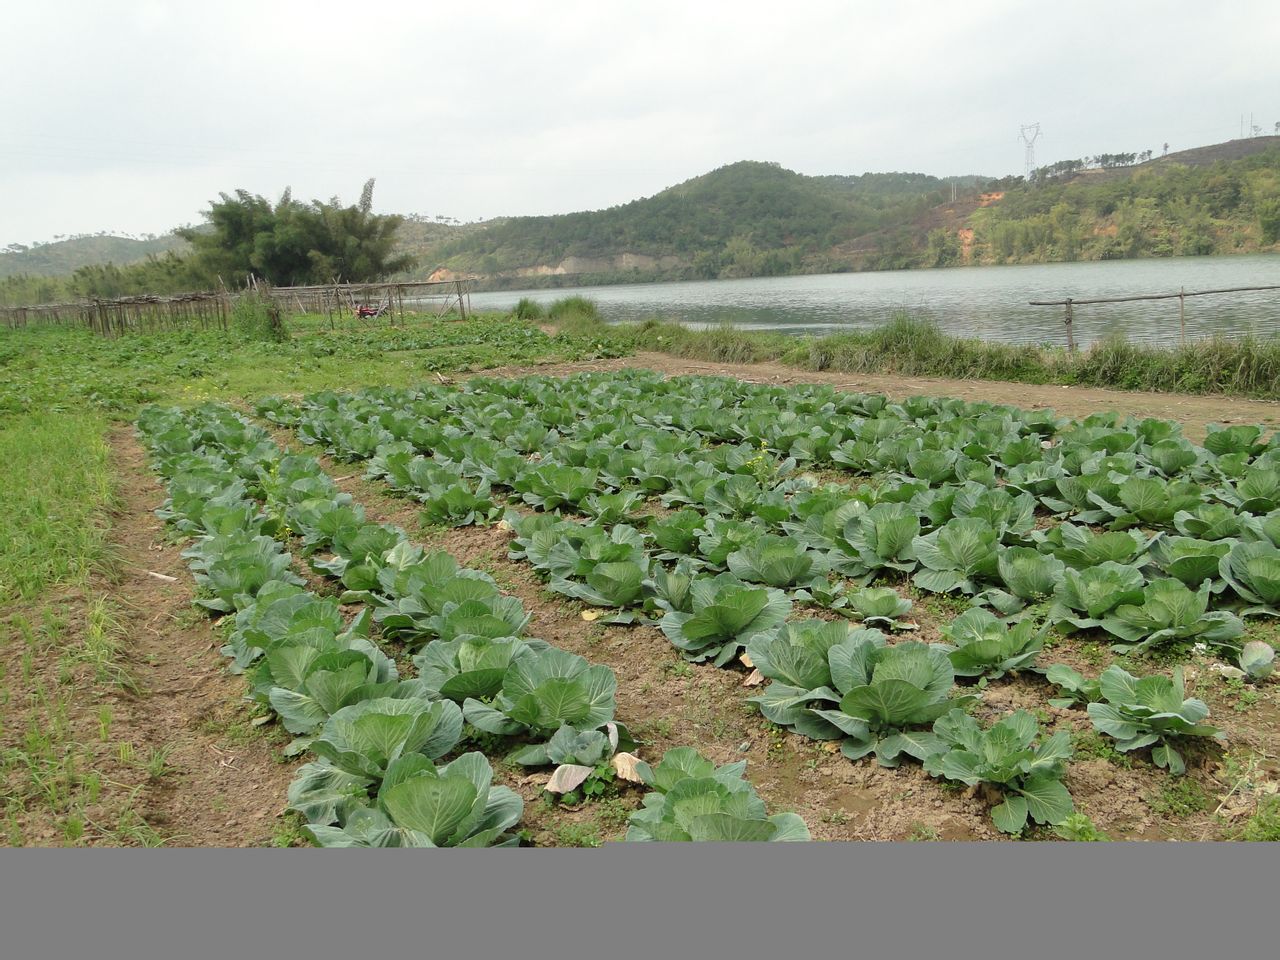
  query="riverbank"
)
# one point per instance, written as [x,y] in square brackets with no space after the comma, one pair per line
[905,346]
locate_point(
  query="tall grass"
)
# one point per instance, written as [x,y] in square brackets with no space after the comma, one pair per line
[576,316]
[256,316]
[58,486]
[910,347]
[529,309]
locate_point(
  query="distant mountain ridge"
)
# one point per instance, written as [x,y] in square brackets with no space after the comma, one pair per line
[61,257]
[755,218]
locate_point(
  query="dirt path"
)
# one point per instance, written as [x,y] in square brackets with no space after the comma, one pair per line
[168,757]
[1193,412]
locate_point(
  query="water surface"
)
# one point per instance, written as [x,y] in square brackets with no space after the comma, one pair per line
[986,302]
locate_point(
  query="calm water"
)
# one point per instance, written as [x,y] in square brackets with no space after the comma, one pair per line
[987,302]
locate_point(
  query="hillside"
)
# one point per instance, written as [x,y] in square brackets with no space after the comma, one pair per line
[1218,199]
[745,219]
[62,257]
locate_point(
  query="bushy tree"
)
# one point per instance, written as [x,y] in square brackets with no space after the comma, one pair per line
[292,243]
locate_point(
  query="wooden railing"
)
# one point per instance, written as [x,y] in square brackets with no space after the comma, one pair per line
[1180,296]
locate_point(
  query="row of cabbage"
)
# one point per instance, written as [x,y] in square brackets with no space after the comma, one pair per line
[381,738]
[954,500]
[966,498]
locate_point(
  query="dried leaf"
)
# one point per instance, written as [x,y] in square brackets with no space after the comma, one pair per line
[624,765]
[568,776]
[746,662]
[754,679]
[590,615]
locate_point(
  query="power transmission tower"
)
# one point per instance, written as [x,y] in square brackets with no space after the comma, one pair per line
[1028,133]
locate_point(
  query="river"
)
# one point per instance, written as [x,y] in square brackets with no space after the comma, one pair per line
[986,302]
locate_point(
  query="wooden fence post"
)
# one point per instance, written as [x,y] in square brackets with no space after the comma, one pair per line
[1071,339]
[1182,314]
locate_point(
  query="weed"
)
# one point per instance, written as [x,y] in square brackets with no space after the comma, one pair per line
[1079,827]
[677,668]
[288,832]
[157,762]
[1264,825]
[1089,744]
[577,835]
[1179,797]
[923,833]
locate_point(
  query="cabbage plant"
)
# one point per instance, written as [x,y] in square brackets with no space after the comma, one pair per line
[1028,576]
[230,570]
[989,648]
[1080,548]
[691,799]
[470,666]
[776,561]
[1085,596]
[1148,501]
[724,615]
[879,696]
[880,538]
[1253,571]
[420,804]
[1190,560]
[1078,688]
[957,557]
[1257,659]
[1149,712]
[1171,614]
[881,607]
[544,691]
[1026,773]
[1209,521]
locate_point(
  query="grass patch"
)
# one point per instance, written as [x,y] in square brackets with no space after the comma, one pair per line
[1179,797]
[58,485]
[1264,825]
[913,347]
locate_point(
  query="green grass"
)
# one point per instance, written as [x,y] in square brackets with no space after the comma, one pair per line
[910,347]
[1264,825]
[58,484]
[54,370]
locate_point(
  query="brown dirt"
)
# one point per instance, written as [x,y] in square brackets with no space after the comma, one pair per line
[1193,412]
[222,783]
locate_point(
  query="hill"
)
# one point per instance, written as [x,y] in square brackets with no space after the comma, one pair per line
[62,257]
[744,219]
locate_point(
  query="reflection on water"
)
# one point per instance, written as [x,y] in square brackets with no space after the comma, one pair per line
[986,302]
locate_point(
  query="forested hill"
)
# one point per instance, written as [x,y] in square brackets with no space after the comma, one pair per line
[745,219]
[1220,199]
[61,257]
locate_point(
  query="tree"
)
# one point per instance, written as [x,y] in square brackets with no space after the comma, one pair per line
[291,243]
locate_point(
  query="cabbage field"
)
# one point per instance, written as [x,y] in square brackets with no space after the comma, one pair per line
[1083,570]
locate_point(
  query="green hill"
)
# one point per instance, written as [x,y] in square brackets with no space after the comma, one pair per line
[62,257]
[1210,200]
[745,219]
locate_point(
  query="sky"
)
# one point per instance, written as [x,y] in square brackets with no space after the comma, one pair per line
[130,117]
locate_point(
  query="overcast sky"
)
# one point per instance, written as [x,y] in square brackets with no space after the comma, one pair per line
[132,116]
